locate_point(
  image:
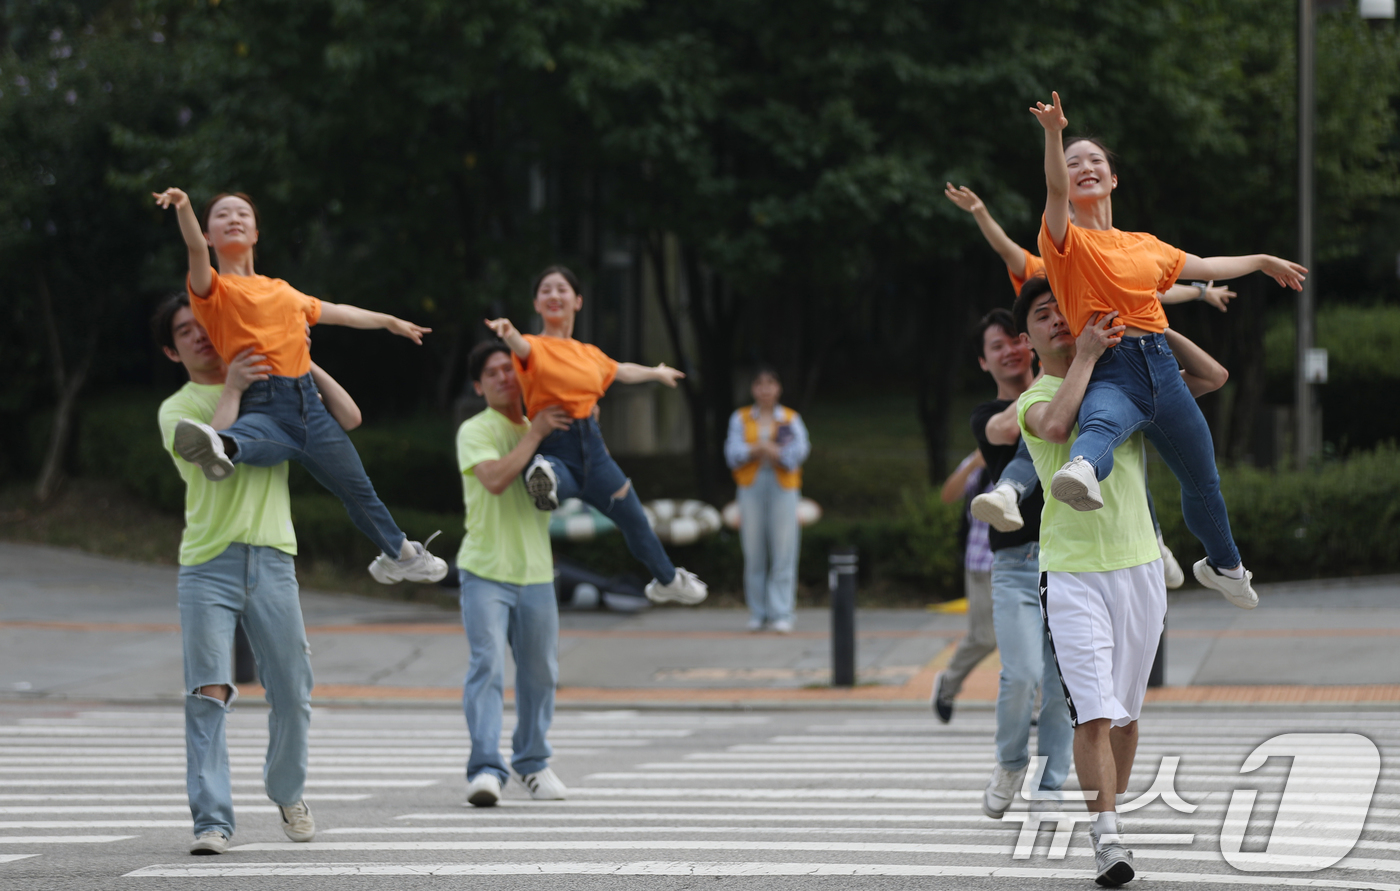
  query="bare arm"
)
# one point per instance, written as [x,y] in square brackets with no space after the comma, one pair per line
[497,475]
[355,317]
[1199,369]
[1002,428]
[1285,272]
[1009,251]
[632,373]
[1053,421]
[505,330]
[245,368]
[336,400]
[1217,296]
[1052,118]
[201,278]
[956,483]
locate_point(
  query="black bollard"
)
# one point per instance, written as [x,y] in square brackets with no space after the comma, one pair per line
[1157,677]
[245,670]
[842,581]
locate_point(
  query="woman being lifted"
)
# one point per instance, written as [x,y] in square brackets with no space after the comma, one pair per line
[1094,269]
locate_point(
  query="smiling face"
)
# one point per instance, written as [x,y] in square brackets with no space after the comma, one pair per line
[556,301]
[192,347]
[1005,356]
[232,227]
[1091,176]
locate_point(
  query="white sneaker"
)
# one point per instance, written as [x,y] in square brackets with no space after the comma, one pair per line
[297,822]
[756,624]
[1170,568]
[211,842]
[201,444]
[542,483]
[544,785]
[1076,485]
[421,567]
[1000,508]
[1047,801]
[783,626]
[484,790]
[1001,791]
[1238,591]
[685,589]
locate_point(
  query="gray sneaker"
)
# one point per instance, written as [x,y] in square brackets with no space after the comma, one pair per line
[1001,791]
[211,841]
[297,822]
[1113,864]
[542,483]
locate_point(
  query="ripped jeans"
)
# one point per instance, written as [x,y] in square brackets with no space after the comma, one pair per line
[585,470]
[258,584]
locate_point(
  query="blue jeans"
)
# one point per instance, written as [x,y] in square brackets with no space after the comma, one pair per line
[525,617]
[1027,662]
[1137,386]
[771,539]
[1020,475]
[282,419]
[586,470]
[259,585]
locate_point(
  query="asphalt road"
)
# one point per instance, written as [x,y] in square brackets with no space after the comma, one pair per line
[94,799]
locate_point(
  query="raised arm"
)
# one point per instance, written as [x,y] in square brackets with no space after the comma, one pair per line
[1055,420]
[1199,370]
[336,400]
[201,277]
[1052,119]
[355,317]
[1217,296]
[1002,428]
[632,373]
[1009,251]
[505,330]
[245,368]
[497,475]
[1285,272]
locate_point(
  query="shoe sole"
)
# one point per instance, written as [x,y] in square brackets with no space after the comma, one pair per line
[483,798]
[206,851]
[994,814]
[1071,491]
[541,488]
[990,512]
[682,599]
[1206,581]
[1120,873]
[192,444]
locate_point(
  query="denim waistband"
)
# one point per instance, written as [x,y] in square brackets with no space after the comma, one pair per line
[1146,343]
[305,383]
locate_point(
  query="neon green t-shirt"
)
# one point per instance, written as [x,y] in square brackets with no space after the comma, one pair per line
[251,507]
[507,536]
[1115,536]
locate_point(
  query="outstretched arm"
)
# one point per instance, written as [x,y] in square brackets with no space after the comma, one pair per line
[1009,251]
[1052,118]
[1199,370]
[1285,272]
[1217,296]
[1053,421]
[354,317]
[632,373]
[201,279]
[505,330]
[336,400]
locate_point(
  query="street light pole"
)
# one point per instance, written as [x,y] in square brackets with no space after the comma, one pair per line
[1303,396]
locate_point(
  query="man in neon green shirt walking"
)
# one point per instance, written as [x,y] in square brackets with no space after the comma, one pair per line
[1102,592]
[507,577]
[236,563]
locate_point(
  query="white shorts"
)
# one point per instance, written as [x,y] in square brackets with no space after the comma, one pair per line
[1104,630]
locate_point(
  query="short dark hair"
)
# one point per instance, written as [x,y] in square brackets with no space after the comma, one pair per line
[997,318]
[476,360]
[550,270]
[163,319]
[1098,143]
[209,208]
[1034,287]
[766,371]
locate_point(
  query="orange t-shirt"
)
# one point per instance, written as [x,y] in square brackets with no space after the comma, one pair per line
[1106,269]
[1034,266]
[564,372]
[266,314]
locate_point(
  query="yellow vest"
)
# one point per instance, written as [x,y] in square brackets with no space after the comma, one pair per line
[745,474]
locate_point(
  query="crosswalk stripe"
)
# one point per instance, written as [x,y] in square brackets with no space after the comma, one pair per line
[61,839]
[170,796]
[103,782]
[92,824]
[126,809]
[10,858]
[720,869]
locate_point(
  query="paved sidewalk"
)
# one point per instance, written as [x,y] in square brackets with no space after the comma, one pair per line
[78,627]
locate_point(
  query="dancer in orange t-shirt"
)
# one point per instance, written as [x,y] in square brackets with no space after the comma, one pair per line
[557,370]
[1094,270]
[281,416]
